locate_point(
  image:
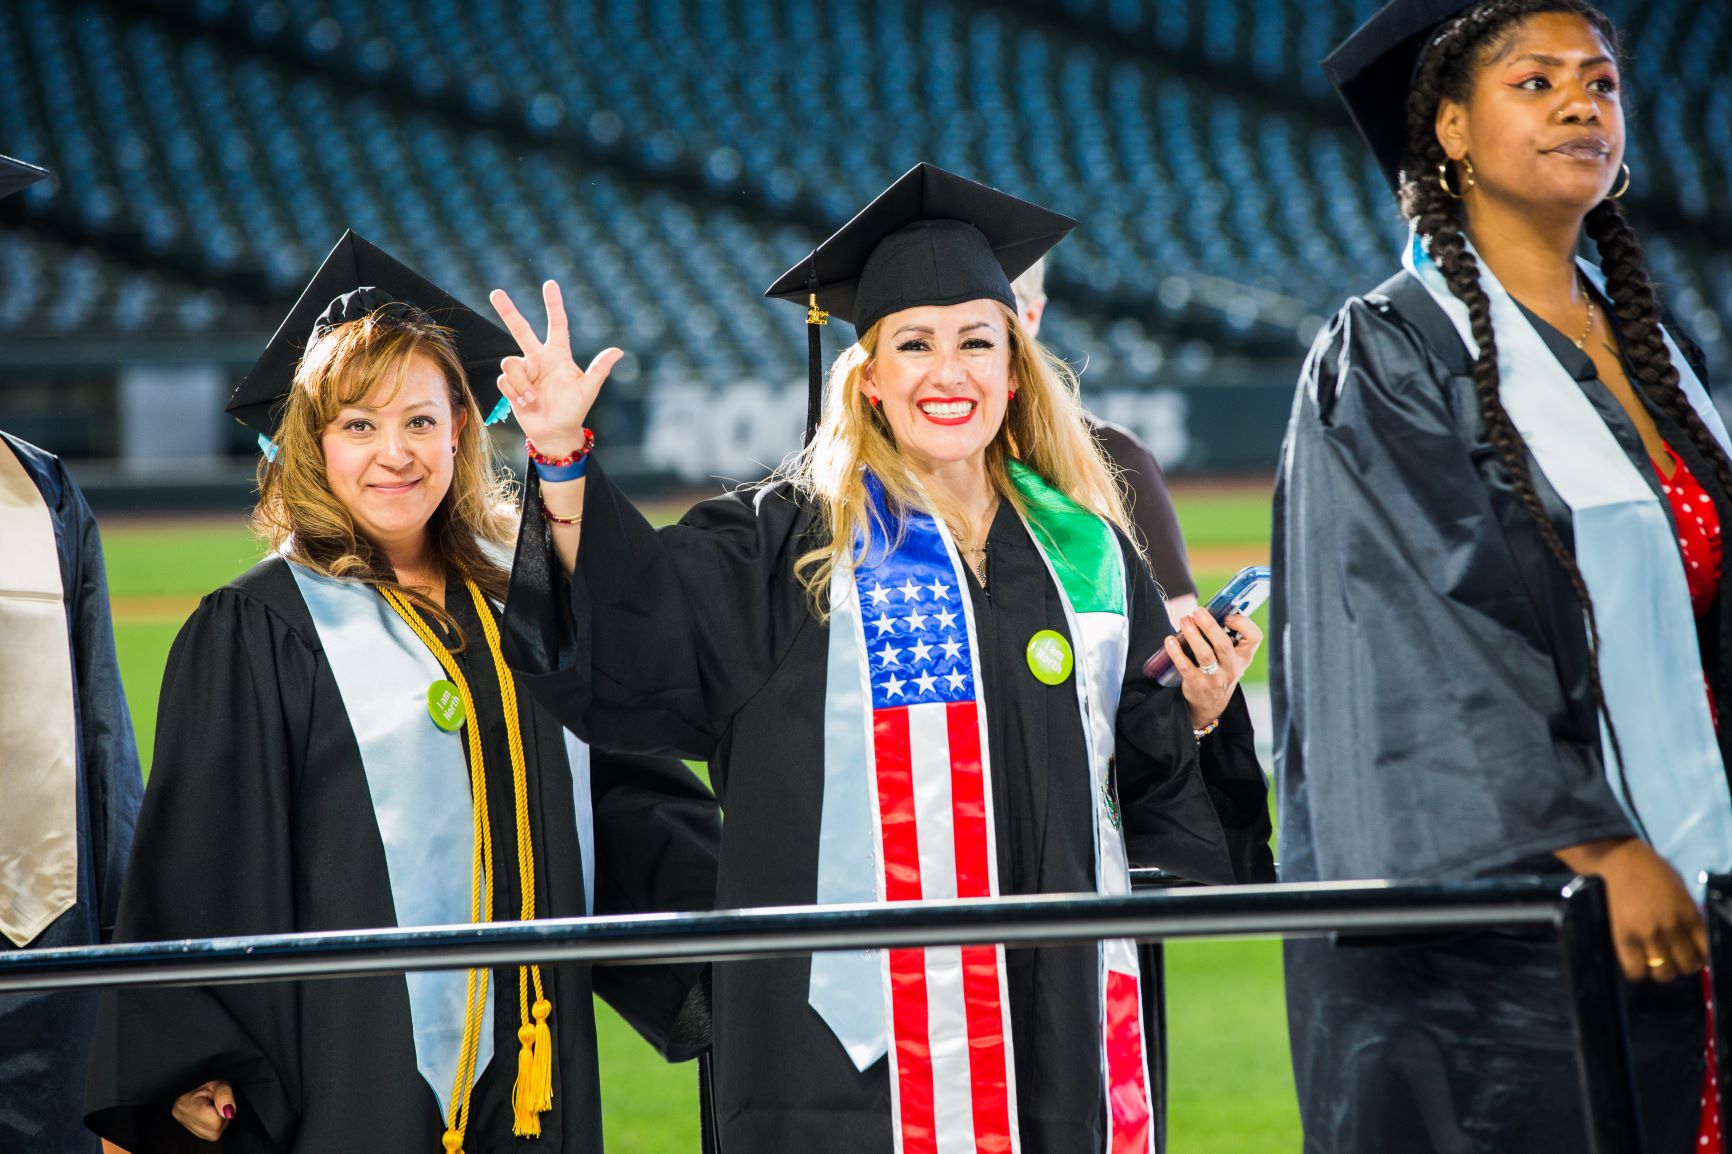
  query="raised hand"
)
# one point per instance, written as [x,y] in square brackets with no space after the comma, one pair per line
[550,396]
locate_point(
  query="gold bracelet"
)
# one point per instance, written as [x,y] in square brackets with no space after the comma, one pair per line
[555,517]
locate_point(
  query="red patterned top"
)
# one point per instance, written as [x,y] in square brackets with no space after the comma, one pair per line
[1698,524]
[1698,527]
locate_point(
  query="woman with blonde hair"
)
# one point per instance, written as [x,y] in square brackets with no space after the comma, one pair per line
[342,745]
[913,660]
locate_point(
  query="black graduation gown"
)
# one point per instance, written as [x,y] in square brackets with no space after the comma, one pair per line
[47,1036]
[1434,720]
[698,640]
[1150,506]
[258,819]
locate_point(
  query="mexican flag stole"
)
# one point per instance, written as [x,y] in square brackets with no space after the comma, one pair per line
[905,663]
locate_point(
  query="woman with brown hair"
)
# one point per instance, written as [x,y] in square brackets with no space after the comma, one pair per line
[913,661]
[341,745]
[1502,632]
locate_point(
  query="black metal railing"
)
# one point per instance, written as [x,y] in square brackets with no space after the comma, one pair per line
[1577,912]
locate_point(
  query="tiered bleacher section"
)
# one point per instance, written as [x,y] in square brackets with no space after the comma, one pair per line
[666,158]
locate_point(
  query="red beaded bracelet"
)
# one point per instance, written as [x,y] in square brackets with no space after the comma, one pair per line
[538,458]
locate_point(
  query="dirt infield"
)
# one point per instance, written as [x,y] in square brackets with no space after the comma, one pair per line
[1226,558]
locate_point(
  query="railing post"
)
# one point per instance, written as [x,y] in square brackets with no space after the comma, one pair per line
[1591,976]
[1719,910]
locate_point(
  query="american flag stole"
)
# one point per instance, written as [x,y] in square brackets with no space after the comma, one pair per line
[948,1007]
[952,1064]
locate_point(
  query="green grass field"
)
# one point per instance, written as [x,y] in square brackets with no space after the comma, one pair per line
[1230,1083]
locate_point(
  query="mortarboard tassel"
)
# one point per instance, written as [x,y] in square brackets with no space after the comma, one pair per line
[816,318]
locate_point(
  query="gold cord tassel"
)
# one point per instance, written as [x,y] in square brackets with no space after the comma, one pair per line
[525,1117]
[541,1076]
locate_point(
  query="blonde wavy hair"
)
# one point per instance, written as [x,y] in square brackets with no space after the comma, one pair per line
[1044,428]
[298,515]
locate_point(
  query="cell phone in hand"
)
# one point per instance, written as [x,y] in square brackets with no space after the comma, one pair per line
[1245,593]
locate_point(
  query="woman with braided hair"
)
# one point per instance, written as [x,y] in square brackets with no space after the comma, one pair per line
[1500,644]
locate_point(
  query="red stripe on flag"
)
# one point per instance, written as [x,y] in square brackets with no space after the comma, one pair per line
[968,801]
[896,805]
[986,1051]
[1127,1074]
[910,1018]
[910,1021]
[987,1060]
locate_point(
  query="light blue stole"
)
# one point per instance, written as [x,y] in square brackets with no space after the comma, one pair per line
[1673,783]
[418,777]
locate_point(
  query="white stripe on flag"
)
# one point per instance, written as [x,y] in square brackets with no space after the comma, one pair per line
[952,1081]
[929,755]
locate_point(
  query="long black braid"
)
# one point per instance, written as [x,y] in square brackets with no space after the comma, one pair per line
[1446,72]
[1646,356]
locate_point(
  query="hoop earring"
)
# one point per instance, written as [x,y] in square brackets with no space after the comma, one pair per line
[1622,188]
[1468,180]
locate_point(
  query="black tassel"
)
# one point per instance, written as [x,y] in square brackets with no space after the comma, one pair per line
[816,319]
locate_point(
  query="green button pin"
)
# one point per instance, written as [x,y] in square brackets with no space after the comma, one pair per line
[1049,657]
[445,705]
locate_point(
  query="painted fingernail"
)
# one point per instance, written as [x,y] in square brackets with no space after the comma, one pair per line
[528,397]
[229,1111]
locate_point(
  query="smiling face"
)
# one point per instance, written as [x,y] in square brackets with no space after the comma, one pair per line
[1543,122]
[942,379]
[389,457]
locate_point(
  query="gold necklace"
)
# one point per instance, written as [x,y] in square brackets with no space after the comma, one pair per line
[978,567]
[1587,329]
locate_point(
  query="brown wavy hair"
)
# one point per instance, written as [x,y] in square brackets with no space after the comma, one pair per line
[1043,428]
[299,516]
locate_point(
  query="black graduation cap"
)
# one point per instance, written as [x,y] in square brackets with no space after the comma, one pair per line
[1372,70]
[355,279]
[931,238]
[16,175]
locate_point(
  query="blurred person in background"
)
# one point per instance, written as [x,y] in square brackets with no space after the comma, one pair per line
[1502,641]
[69,776]
[1147,499]
[341,745]
[913,661]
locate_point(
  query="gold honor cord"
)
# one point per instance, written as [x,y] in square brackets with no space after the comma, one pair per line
[533,1092]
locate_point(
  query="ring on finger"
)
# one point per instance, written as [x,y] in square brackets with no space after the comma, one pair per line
[1210,669]
[1658,963]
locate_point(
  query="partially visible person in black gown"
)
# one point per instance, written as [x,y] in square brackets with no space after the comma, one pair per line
[69,776]
[1148,501]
